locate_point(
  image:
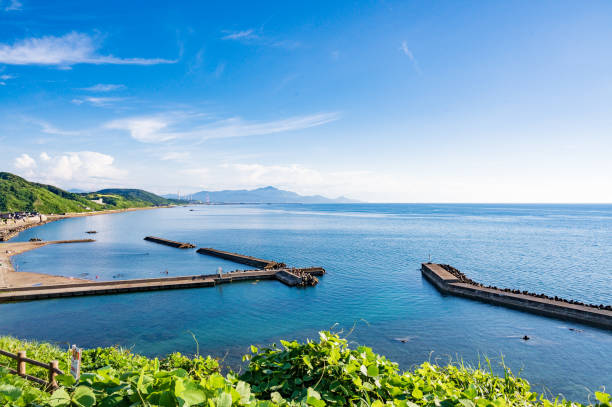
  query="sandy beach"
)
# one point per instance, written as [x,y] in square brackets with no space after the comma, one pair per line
[9,277]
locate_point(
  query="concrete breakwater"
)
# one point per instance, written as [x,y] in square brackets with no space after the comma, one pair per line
[41,286]
[290,277]
[448,283]
[178,245]
[242,259]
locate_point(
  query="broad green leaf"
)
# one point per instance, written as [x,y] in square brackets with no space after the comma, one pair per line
[311,401]
[192,394]
[83,397]
[372,371]
[467,403]
[277,398]
[244,389]
[10,391]
[224,400]
[306,360]
[603,398]
[115,400]
[313,393]
[65,380]
[60,398]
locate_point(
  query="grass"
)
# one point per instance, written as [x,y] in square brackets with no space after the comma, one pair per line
[315,373]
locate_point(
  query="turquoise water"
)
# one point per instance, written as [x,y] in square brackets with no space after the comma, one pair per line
[372,254]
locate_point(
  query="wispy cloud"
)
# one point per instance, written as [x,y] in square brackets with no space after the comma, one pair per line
[175,156]
[97,101]
[104,87]
[11,5]
[4,78]
[237,35]
[156,129]
[250,36]
[69,49]
[48,128]
[404,48]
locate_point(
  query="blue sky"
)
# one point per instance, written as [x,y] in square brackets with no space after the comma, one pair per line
[387,101]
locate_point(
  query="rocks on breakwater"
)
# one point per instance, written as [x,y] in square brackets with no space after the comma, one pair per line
[464,279]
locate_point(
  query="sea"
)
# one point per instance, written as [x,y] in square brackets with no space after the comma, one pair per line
[373,293]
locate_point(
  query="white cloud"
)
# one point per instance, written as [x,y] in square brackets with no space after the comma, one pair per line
[5,78]
[87,169]
[163,128]
[404,48]
[25,162]
[251,37]
[143,129]
[69,49]
[97,101]
[104,87]
[237,35]
[12,5]
[84,164]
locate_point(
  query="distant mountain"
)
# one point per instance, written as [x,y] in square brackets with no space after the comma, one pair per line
[18,194]
[77,191]
[260,195]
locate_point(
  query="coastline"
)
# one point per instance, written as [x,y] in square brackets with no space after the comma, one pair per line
[7,232]
[10,278]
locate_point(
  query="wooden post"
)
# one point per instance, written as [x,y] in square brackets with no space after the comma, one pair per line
[21,364]
[53,366]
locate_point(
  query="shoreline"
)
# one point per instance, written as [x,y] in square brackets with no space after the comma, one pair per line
[10,278]
[7,232]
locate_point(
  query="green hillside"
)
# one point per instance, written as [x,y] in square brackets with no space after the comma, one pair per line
[135,196]
[18,194]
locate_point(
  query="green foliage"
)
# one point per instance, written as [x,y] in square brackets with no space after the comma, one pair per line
[317,374]
[137,195]
[17,194]
[18,392]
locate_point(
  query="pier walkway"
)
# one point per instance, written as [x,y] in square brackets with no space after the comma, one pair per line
[33,286]
[448,283]
[288,276]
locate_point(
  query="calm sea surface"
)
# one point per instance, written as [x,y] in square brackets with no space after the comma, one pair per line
[372,254]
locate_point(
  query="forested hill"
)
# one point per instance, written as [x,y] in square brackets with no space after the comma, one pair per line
[18,194]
